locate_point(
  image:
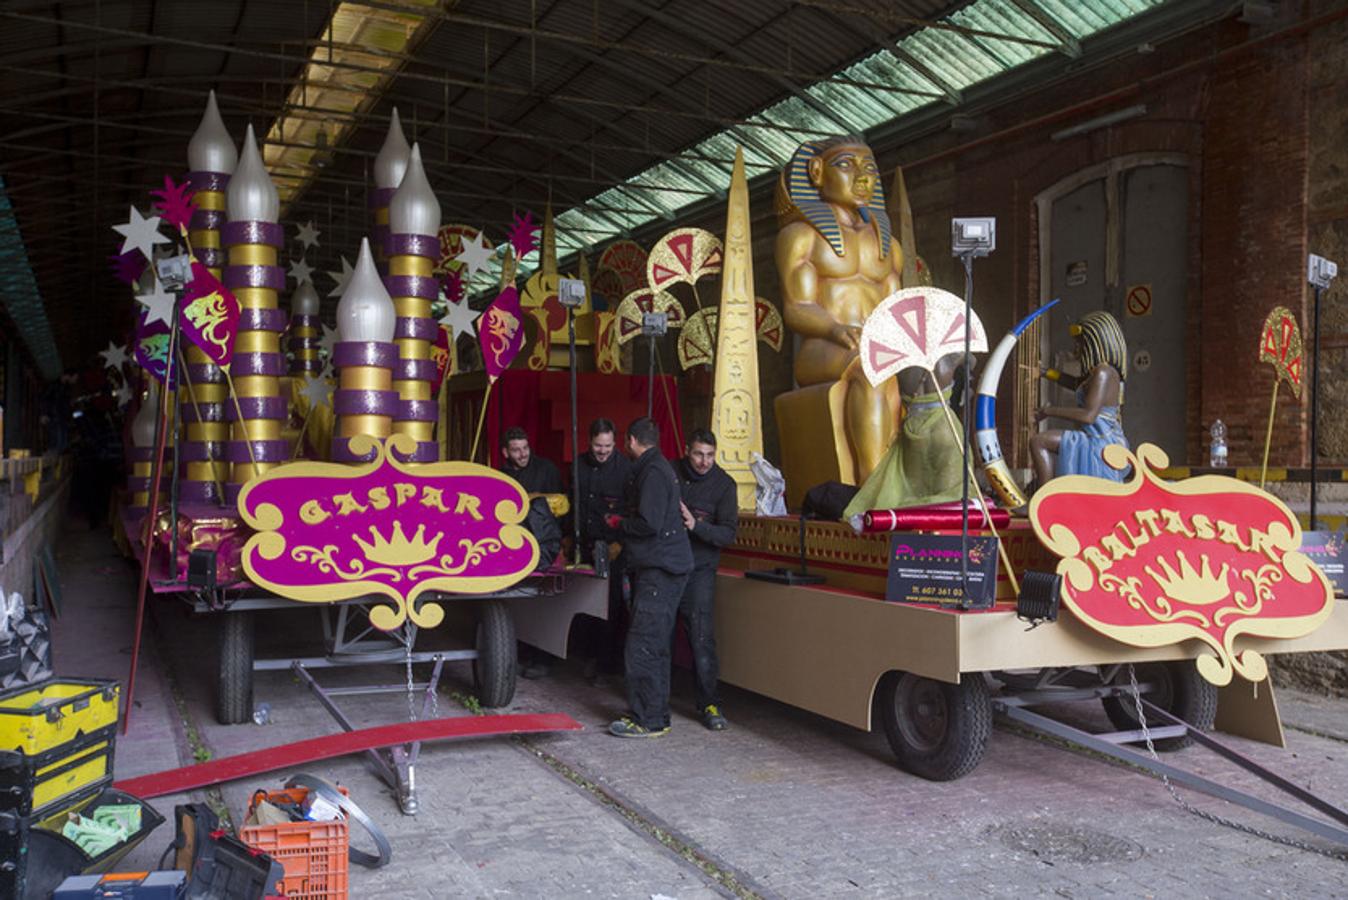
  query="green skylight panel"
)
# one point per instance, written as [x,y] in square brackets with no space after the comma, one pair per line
[952,57]
[1003,17]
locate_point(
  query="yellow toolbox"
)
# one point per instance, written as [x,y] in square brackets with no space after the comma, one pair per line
[56,739]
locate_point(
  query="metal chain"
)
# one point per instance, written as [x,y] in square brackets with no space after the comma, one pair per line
[1212,817]
[411,686]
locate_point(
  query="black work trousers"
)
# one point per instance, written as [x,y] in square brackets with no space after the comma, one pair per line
[695,609]
[655,603]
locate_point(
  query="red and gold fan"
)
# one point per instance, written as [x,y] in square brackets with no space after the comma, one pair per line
[636,304]
[628,260]
[697,338]
[684,256]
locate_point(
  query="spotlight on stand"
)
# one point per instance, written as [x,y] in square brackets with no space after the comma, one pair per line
[973,236]
[1040,594]
[653,325]
[1319,272]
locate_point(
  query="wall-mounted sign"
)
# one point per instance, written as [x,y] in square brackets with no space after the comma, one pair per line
[1077,273]
[1138,300]
[925,568]
[1150,562]
[330,532]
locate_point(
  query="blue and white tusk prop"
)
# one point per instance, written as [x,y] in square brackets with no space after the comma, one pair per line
[985,415]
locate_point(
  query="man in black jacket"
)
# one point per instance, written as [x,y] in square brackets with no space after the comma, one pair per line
[604,474]
[534,473]
[655,544]
[710,510]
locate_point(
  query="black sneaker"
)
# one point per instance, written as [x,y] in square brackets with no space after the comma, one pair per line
[712,718]
[626,728]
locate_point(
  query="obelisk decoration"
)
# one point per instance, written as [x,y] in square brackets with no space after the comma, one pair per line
[736,409]
[413,248]
[211,156]
[389,167]
[253,238]
[364,357]
[142,447]
[305,330]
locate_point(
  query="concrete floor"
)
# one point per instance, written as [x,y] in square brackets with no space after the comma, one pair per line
[784,804]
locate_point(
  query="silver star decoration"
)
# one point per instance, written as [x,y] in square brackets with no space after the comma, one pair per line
[474,255]
[341,278]
[318,391]
[301,271]
[158,304]
[308,234]
[328,340]
[460,319]
[122,395]
[114,356]
[140,233]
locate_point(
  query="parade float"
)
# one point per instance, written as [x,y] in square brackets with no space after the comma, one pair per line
[940,593]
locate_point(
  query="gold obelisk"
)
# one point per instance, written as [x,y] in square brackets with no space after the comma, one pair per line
[736,408]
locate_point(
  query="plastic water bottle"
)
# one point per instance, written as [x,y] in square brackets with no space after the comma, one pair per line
[1217,454]
[262,714]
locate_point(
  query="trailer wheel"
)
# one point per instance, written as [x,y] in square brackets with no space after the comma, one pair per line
[234,685]
[1179,690]
[937,730]
[494,668]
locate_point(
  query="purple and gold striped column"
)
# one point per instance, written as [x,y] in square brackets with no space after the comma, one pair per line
[413,247]
[305,331]
[212,158]
[389,166]
[143,428]
[253,239]
[365,402]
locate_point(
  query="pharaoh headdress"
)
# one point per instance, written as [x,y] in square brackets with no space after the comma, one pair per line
[798,198]
[1102,343]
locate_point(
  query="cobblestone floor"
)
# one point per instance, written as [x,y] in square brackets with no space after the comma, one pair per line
[784,804]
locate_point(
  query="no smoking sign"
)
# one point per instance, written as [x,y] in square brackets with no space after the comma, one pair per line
[1138,302]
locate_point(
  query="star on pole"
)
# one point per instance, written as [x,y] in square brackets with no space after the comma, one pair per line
[475,254]
[141,234]
[317,391]
[341,278]
[158,305]
[301,271]
[114,357]
[308,234]
[460,319]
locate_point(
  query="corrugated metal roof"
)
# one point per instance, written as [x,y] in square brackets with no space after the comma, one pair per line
[979,42]
[18,293]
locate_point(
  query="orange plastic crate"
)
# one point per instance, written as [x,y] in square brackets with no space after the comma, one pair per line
[313,854]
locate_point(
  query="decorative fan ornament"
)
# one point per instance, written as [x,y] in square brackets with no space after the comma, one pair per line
[628,260]
[684,256]
[1280,344]
[642,301]
[606,289]
[697,337]
[916,327]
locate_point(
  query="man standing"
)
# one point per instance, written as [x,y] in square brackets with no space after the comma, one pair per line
[655,544]
[710,512]
[604,475]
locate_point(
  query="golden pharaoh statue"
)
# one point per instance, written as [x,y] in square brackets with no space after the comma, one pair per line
[836,260]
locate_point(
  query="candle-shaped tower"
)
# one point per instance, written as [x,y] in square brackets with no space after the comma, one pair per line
[413,245]
[364,357]
[211,157]
[142,447]
[389,167]
[305,330]
[253,236]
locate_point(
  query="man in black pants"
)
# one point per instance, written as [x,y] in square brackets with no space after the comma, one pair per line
[655,544]
[604,474]
[710,510]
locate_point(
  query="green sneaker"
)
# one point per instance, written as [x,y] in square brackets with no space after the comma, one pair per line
[626,728]
[712,718]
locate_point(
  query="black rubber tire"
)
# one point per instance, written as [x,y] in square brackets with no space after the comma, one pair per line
[234,685]
[494,668]
[1180,691]
[938,731]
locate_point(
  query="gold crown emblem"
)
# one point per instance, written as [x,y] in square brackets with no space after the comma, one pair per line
[1197,588]
[399,551]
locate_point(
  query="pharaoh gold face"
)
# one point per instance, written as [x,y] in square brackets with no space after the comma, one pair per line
[846,175]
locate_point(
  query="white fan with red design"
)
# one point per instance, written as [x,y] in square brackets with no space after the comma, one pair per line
[916,327]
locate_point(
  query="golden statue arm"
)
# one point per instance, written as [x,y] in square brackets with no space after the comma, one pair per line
[800,289]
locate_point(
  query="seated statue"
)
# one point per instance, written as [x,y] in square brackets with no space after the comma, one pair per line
[1098,415]
[836,260]
[924,463]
